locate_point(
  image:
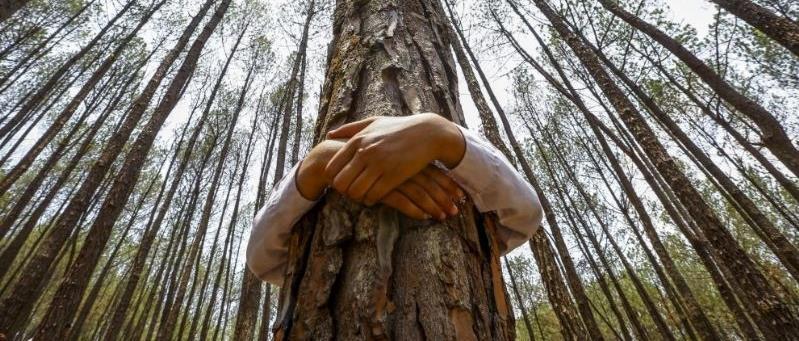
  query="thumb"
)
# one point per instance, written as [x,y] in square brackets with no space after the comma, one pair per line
[350,129]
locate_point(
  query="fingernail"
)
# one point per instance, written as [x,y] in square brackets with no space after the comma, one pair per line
[427,217]
[442,216]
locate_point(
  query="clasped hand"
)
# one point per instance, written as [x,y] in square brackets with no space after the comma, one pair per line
[388,160]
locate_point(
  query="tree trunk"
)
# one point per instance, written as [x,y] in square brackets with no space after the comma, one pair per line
[789,186]
[250,296]
[34,53]
[44,89]
[749,278]
[302,53]
[362,273]
[11,250]
[99,283]
[519,301]
[762,226]
[58,123]
[56,322]
[154,225]
[783,30]
[9,7]
[772,133]
[23,294]
[168,324]
[660,323]
[492,134]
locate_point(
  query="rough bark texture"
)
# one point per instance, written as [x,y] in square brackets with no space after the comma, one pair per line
[370,273]
[755,286]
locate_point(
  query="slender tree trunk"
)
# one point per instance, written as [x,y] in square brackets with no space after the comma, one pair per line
[250,296]
[750,279]
[154,227]
[231,226]
[302,51]
[772,133]
[519,301]
[58,123]
[632,314]
[45,44]
[492,133]
[23,295]
[166,329]
[10,252]
[91,298]
[45,89]
[789,186]
[783,30]
[696,316]
[721,283]
[660,323]
[66,143]
[763,227]
[56,323]
[9,7]
[401,288]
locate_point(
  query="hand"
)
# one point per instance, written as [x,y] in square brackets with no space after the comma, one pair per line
[429,193]
[384,152]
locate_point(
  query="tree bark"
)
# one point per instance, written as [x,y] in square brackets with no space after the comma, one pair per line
[362,273]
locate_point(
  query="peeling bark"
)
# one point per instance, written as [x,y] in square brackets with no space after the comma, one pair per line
[370,273]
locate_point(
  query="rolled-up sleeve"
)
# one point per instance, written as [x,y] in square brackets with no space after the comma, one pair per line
[495,185]
[267,250]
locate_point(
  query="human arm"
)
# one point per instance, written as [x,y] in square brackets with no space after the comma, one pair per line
[298,191]
[359,168]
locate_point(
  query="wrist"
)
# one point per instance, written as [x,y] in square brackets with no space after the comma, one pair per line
[311,181]
[308,180]
[450,144]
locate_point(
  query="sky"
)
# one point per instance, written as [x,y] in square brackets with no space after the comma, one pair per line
[697,13]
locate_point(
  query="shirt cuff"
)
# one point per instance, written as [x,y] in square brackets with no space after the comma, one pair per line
[268,246]
[477,169]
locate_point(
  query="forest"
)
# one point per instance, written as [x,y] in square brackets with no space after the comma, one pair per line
[139,138]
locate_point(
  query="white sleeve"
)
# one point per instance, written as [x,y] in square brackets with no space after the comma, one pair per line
[267,249]
[494,185]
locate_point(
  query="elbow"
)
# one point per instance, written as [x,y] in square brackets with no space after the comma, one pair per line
[251,255]
[534,215]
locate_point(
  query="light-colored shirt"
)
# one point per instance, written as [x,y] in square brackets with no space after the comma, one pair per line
[484,173]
